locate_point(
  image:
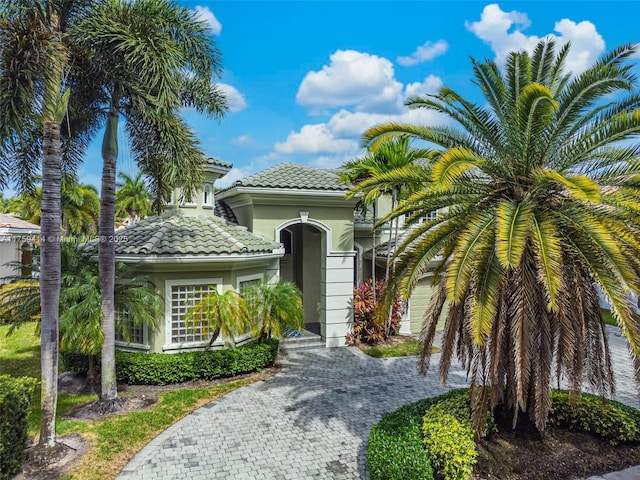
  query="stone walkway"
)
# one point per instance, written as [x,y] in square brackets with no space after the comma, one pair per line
[310,421]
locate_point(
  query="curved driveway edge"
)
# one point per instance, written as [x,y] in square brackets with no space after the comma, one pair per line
[309,421]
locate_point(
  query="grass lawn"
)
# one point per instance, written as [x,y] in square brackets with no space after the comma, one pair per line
[608,317]
[402,347]
[112,441]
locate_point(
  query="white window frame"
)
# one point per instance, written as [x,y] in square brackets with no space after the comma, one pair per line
[136,346]
[247,278]
[207,190]
[168,314]
[190,204]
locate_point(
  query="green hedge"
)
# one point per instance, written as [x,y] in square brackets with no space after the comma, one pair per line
[396,449]
[163,369]
[15,401]
[590,414]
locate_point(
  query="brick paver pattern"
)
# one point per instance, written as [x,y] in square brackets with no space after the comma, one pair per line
[310,421]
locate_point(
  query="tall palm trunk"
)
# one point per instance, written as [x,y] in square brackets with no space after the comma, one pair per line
[394,226]
[50,279]
[54,107]
[106,252]
[373,252]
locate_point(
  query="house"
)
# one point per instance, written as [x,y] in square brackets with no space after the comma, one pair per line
[289,222]
[17,239]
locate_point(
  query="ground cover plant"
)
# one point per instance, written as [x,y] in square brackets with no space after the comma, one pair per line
[433,438]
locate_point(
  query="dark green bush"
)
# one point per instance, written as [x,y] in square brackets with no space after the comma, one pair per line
[15,401]
[163,369]
[590,414]
[395,450]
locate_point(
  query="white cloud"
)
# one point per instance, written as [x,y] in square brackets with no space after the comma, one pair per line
[235,100]
[316,138]
[341,134]
[326,161]
[424,53]
[206,15]
[365,89]
[242,140]
[431,84]
[352,78]
[503,32]
[233,175]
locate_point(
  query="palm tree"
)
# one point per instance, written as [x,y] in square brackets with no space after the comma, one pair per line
[33,103]
[219,314]
[145,60]
[390,168]
[79,207]
[136,302]
[132,197]
[540,213]
[274,307]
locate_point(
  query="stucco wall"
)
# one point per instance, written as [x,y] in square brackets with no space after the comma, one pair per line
[339,219]
[9,252]
[229,273]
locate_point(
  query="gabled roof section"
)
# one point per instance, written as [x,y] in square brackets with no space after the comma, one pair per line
[14,223]
[179,235]
[294,176]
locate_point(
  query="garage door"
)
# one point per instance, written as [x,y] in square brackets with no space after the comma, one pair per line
[418,304]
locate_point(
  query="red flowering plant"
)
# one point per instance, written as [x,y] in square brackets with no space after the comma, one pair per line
[369,316]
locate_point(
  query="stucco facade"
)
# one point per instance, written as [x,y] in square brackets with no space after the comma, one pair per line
[290,222]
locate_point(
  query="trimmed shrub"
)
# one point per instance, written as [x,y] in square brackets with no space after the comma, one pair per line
[459,406]
[163,369]
[395,450]
[589,413]
[15,401]
[449,444]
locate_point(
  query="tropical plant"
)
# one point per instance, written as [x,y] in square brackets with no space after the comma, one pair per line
[274,307]
[540,211]
[144,60]
[79,207]
[220,314]
[136,301]
[368,325]
[132,197]
[33,103]
[390,168]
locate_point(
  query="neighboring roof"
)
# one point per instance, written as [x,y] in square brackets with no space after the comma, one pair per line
[294,176]
[14,223]
[178,235]
[223,210]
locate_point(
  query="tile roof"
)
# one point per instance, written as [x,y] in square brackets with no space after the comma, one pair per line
[9,221]
[222,210]
[294,176]
[219,163]
[185,235]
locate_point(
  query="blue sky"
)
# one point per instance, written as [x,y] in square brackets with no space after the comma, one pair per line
[305,79]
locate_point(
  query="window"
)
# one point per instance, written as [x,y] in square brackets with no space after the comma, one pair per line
[182,295]
[428,217]
[136,333]
[247,281]
[184,203]
[207,198]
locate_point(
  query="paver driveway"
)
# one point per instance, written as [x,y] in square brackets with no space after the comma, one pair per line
[310,421]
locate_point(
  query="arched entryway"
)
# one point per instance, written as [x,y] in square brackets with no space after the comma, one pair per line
[303,264]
